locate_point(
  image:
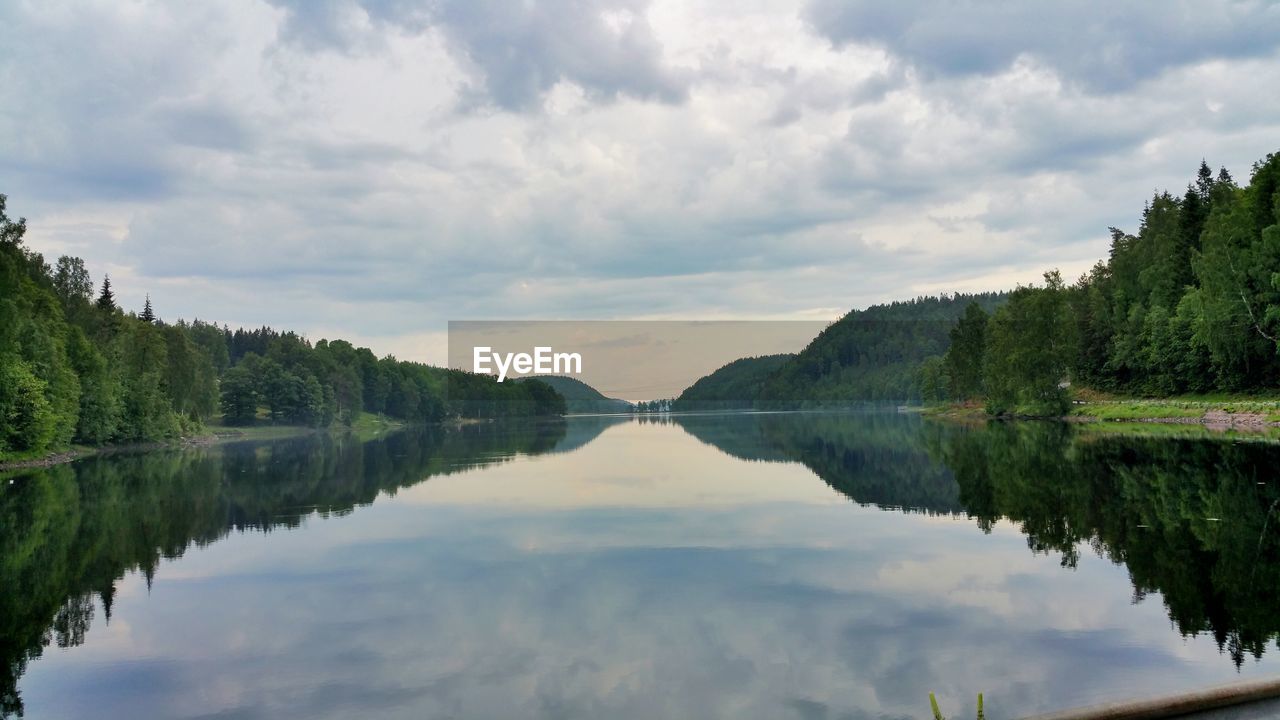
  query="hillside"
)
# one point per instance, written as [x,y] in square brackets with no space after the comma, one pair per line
[581,398]
[736,385]
[871,355]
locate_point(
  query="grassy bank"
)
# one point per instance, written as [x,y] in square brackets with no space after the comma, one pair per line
[1212,412]
[366,426]
[1213,408]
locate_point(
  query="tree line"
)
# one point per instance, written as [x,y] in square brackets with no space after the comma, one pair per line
[76,368]
[1188,304]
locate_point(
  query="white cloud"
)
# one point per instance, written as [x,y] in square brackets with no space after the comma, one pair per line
[372,169]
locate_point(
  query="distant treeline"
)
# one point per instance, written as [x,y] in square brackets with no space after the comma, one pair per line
[1190,304]
[76,368]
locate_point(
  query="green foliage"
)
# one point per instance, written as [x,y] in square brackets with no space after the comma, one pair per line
[736,385]
[106,299]
[934,380]
[546,401]
[28,420]
[1191,303]
[868,356]
[239,397]
[74,368]
[1027,353]
[1188,304]
[871,355]
[964,356]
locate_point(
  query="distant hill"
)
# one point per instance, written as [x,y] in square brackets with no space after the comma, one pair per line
[734,386]
[867,356]
[871,355]
[580,397]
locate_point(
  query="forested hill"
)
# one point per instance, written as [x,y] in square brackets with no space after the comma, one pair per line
[74,367]
[1190,303]
[871,355]
[580,397]
[733,386]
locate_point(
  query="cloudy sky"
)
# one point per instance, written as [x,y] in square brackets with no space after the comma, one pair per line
[371,169]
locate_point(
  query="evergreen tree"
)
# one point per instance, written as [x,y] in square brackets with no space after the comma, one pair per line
[148,315]
[106,299]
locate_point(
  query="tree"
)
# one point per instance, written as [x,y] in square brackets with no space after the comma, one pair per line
[148,315]
[239,398]
[1235,268]
[935,380]
[27,421]
[1029,344]
[72,283]
[545,400]
[106,299]
[964,357]
[148,410]
[11,232]
[100,391]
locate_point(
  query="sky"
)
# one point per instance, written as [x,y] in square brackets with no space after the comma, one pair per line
[371,169]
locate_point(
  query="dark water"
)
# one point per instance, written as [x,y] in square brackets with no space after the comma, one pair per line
[766,566]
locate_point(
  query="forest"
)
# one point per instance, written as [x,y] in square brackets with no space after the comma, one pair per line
[1190,303]
[76,368]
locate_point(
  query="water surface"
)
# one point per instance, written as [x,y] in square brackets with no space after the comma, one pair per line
[758,566]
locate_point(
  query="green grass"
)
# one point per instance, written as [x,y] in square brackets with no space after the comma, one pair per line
[1107,407]
[1174,430]
[369,425]
[1139,410]
[365,426]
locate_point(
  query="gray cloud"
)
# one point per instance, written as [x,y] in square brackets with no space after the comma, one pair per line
[1104,48]
[519,50]
[374,169]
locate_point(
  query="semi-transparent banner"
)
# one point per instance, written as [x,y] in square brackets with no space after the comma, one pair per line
[633,360]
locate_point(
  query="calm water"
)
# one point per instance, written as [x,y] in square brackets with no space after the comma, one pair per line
[764,566]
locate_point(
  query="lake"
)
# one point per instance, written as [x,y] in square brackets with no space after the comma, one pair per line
[804,565]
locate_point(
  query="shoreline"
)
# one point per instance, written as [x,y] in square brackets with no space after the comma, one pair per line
[1255,416]
[214,435]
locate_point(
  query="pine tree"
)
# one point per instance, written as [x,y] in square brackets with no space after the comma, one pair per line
[1204,181]
[147,314]
[106,299]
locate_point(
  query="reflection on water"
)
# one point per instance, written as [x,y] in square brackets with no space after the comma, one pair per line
[704,566]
